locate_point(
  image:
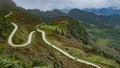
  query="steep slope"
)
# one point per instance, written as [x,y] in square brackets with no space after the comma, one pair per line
[5,27]
[99,21]
[6,6]
[102,30]
[29,57]
[107,39]
[36,54]
[60,29]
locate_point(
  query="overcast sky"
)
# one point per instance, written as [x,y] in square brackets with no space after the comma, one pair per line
[62,4]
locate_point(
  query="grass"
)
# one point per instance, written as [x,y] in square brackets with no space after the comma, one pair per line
[38,47]
[51,38]
[41,67]
[50,31]
[98,59]
[51,27]
[21,35]
[74,52]
[59,28]
[102,41]
[2,47]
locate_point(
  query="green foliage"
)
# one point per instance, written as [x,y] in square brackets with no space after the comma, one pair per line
[5,28]
[107,40]
[98,59]
[13,61]
[99,21]
[78,31]
[47,16]
[38,62]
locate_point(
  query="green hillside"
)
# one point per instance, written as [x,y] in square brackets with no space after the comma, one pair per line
[81,34]
[101,32]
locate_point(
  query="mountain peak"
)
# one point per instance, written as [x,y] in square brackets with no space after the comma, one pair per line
[56,10]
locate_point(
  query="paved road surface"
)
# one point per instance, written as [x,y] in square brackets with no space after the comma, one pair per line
[63,52]
[44,38]
[12,34]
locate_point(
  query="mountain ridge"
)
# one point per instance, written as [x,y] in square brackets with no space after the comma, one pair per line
[99,28]
[76,36]
[78,14]
[104,11]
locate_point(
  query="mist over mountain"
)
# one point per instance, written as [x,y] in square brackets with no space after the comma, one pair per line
[78,14]
[99,11]
[104,11]
[65,10]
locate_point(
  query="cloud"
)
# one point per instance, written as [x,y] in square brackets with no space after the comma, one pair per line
[61,4]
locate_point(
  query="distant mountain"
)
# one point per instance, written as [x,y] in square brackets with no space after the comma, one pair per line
[38,54]
[84,16]
[104,11]
[48,15]
[99,30]
[65,10]
[80,15]
[89,17]
[100,21]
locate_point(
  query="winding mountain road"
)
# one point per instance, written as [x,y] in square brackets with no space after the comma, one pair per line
[63,52]
[12,34]
[8,14]
[44,38]
[14,31]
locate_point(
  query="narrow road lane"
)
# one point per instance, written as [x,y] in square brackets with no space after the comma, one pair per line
[63,52]
[44,38]
[14,31]
[12,34]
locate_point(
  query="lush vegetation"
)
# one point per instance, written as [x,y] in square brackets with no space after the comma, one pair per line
[47,16]
[79,33]
[107,41]
[5,27]
[12,61]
